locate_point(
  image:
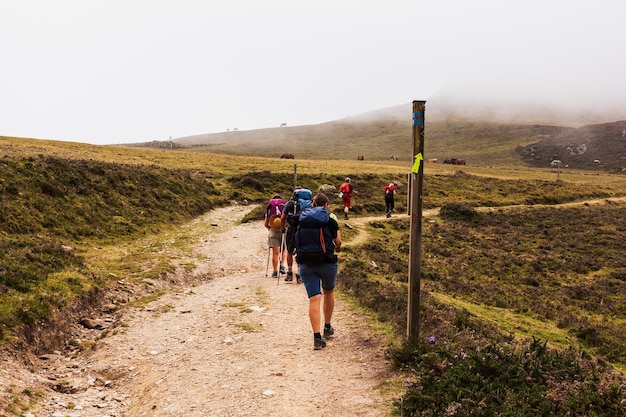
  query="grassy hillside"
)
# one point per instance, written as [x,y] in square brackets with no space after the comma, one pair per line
[77,219]
[53,210]
[480,137]
[63,205]
[481,143]
[522,308]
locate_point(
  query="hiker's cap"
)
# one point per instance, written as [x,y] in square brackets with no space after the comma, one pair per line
[391,184]
[347,179]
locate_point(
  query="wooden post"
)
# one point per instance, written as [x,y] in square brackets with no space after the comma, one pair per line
[409,194]
[295,176]
[415,246]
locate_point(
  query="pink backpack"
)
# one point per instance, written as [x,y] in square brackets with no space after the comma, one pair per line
[275,207]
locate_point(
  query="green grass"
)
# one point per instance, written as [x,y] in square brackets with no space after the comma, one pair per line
[77,219]
[518,324]
[493,280]
[482,143]
[54,211]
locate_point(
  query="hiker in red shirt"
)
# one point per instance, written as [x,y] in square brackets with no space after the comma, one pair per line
[390,191]
[346,190]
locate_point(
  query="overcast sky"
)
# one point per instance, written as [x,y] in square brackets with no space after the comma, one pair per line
[119,71]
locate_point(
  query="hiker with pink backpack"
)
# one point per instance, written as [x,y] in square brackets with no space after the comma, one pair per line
[273,224]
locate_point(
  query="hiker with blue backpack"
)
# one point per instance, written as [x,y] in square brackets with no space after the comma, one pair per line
[273,224]
[291,214]
[317,242]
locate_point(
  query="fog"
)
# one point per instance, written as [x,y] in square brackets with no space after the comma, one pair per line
[116,71]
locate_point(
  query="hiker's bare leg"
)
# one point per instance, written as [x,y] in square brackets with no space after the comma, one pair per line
[329,305]
[314,313]
[275,250]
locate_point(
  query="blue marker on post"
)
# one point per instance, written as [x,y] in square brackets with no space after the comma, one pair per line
[418,118]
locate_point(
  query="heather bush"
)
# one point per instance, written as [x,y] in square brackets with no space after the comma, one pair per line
[508,379]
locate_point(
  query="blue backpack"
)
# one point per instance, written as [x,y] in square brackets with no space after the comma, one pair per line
[301,200]
[303,196]
[314,243]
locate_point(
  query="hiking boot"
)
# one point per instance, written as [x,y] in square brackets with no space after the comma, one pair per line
[289,276]
[275,274]
[345,217]
[283,270]
[298,279]
[329,332]
[388,214]
[318,344]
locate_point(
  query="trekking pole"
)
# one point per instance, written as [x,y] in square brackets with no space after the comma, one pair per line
[269,247]
[280,256]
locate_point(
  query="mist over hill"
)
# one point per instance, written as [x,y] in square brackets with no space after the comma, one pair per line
[443,107]
[483,133]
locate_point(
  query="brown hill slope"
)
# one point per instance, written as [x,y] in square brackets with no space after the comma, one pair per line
[479,142]
[589,147]
[482,135]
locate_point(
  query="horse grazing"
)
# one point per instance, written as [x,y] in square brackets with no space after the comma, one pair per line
[287,156]
[283,124]
[360,158]
[393,158]
[433,160]
[454,161]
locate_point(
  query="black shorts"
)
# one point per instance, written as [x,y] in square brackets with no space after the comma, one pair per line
[290,239]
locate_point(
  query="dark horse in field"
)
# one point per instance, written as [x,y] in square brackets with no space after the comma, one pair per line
[454,161]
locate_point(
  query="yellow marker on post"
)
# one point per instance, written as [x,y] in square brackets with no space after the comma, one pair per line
[418,160]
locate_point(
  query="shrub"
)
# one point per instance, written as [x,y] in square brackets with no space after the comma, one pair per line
[508,380]
[457,211]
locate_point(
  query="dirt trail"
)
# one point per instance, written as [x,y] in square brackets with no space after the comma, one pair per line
[239,345]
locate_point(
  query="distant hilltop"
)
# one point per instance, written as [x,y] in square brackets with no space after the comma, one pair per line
[480,134]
